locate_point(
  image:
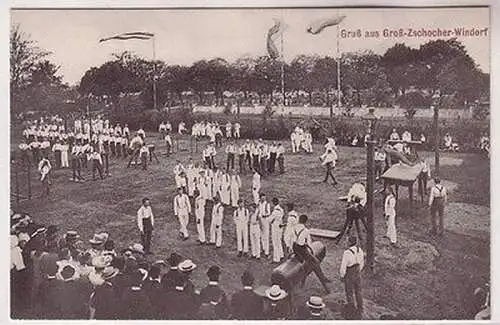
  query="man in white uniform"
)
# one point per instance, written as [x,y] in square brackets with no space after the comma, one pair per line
[390,215]
[235,185]
[255,186]
[199,211]
[276,221]
[291,222]
[216,223]
[240,217]
[255,232]
[182,209]
[264,213]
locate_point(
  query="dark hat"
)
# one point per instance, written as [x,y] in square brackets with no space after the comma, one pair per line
[247,278]
[71,235]
[174,259]
[52,269]
[68,272]
[136,278]
[353,240]
[109,272]
[213,272]
[52,230]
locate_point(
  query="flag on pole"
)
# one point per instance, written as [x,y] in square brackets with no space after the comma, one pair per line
[272,50]
[128,36]
[318,26]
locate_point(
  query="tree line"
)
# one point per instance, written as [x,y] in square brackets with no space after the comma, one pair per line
[438,71]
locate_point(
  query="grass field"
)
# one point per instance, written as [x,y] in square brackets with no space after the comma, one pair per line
[426,278]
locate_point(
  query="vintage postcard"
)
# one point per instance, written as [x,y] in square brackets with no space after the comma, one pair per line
[256,163]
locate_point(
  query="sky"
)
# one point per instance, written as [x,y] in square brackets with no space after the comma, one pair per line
[183,36]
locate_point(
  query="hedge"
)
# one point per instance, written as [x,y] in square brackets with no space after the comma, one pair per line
[466,132]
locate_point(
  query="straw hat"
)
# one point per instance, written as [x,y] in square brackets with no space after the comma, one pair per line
[275,293]
[187,266]
[315,302]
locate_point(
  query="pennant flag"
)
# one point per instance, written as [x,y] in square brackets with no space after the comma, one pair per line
[317,27]
[128,36]
[271,47]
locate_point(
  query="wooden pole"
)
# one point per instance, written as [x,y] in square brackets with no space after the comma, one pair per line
[436,138]
[370,176]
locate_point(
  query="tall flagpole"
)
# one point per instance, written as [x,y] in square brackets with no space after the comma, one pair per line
[154,74]
[282,66]
[339,57]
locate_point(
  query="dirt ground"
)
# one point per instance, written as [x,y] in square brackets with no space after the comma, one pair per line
[425,278]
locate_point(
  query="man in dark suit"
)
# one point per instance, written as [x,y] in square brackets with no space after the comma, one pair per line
[152,287]
[47,295]
[135,303]
[179,304]
[212,297]
[169,279]
[74,294]
[246,304]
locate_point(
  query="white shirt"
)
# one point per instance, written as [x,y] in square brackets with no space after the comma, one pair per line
[277,216]
[240,216]
[357,190]
[218,214]
[256,181]
[329,158]
[438,190]
[178,169]
[390,205]
[301,235]
[264,209]
[181,204]
[199,203]
[353,255]
[380,156]
[144,213]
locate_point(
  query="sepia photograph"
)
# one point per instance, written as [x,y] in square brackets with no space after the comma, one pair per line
[285,163]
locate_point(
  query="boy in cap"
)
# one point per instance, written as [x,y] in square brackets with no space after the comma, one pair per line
[145,223]
[353,261]
[246,304]
[437,200]
[213,294]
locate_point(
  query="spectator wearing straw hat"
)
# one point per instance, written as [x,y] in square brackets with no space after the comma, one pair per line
[103,300]
[186,268]
[278,307]
[213,298]
[246,304]
[96,243]
[314,309]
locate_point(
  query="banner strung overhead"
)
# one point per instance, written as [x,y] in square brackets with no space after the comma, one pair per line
[271,36]
[128,36]
[318,26]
